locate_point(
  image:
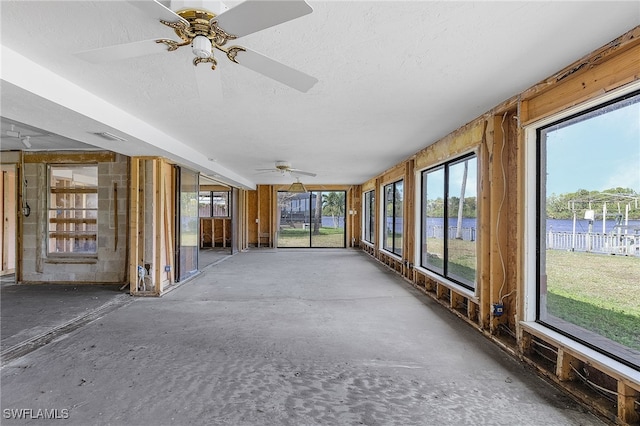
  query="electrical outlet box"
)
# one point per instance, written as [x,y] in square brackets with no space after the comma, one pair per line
[498,309]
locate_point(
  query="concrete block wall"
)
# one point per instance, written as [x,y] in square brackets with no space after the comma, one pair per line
[109,264]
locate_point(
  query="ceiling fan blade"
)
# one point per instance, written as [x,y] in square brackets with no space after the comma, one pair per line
[253,16]
[300,172]
[209,84]
[275,70]
[121,51]
[157,10]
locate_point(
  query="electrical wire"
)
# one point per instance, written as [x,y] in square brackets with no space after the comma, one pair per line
[26,209]
[504,196]
[544,356]
[602,390]
[554,350]
[506,329]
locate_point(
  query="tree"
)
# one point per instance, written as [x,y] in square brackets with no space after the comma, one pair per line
[461,201]
[617,199]
[333,205]
[317,216]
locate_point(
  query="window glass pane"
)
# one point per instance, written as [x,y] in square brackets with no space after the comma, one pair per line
[393,217]
[204,204]
[76,176]
[331,232]
[369,216]
[397,219]
[589,245]
[387,242]
[461,253]
[372,217]
[220,204]
[295,212]
[189,223]
[73,209]
[366,217]
[433,228]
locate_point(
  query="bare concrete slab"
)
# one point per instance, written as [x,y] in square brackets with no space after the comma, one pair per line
[30,311]
[282,337]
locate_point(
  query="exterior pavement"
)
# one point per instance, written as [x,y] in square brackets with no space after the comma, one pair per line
[280,337]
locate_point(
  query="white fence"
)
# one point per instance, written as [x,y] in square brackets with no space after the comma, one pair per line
[611,243]
[437,231]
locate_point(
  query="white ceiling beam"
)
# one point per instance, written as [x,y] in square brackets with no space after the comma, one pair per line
[23,73]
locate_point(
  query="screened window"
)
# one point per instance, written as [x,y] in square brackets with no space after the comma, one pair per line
[73,209]
[369,216]
[393,212]
[214,204]
[588,227]
[449,220]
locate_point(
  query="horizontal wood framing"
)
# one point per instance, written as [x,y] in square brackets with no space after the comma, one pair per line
[498,139]
[455,144]
[392,175]
[70,157]
[62,190]
[216,188]
[369,185]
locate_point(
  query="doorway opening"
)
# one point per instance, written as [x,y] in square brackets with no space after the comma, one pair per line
[8,192]
[314,219]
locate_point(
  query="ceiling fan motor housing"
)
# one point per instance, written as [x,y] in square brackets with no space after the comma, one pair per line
[201,47]
[283,165]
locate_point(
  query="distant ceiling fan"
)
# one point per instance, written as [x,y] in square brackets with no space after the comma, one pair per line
[284,167]
[24,138]
[205,31]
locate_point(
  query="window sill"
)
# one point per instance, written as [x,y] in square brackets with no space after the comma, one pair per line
[469,294]
[392,254]
[601,361]
[72,260]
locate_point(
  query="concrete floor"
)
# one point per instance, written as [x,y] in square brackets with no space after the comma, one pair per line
[282,337]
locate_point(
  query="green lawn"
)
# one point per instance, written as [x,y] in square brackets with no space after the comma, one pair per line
[462,257]
[595,291]
[598,292]
[297,237]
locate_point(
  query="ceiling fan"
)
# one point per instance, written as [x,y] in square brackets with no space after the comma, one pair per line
[206,32]
[284,167]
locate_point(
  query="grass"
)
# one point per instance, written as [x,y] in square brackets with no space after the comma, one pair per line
[610,323]
[462,257]
[297,237]
[598,292]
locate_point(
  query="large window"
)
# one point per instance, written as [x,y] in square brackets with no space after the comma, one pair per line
[188,228]
[369,216]
[73,209]
[393,223]
[214,204]
[311,219]
[449,223]
[588,227]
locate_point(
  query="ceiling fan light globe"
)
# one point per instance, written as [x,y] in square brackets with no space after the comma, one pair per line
[201,47]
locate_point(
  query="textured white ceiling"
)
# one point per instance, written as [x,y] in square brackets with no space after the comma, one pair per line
[394,77]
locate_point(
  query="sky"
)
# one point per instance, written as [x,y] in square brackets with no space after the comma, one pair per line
[598,153]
